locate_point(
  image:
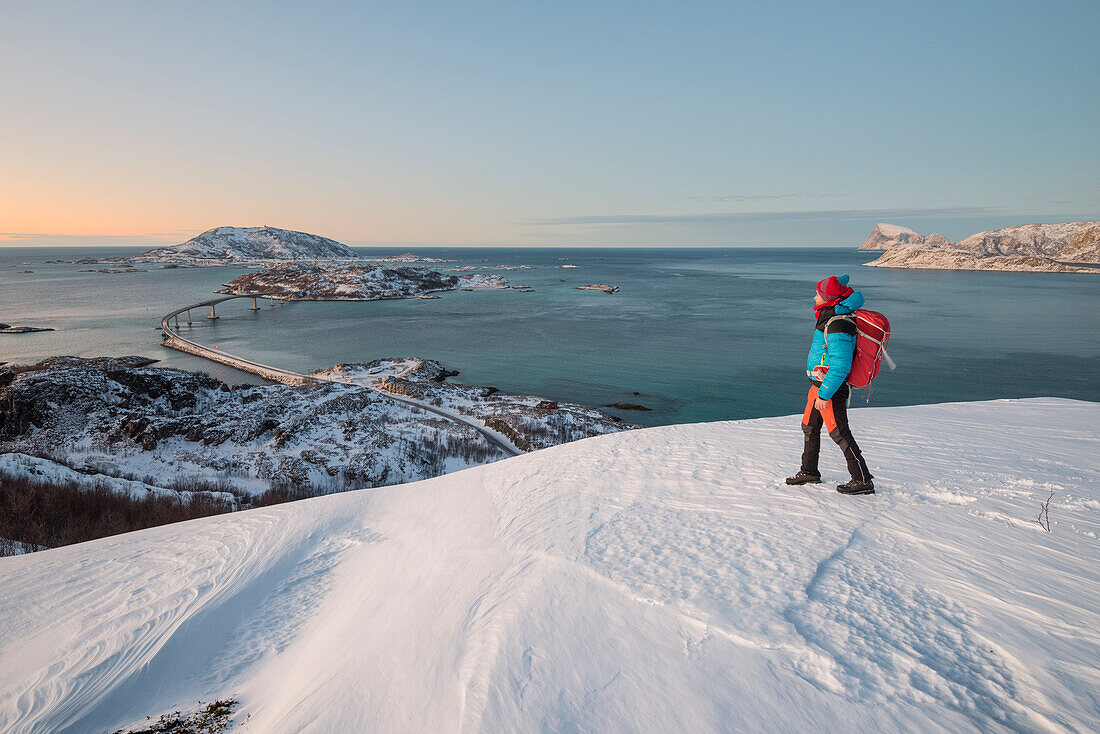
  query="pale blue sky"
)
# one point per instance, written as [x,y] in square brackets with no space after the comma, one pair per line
[546,123]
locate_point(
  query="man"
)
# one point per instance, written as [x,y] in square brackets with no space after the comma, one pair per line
[827,366]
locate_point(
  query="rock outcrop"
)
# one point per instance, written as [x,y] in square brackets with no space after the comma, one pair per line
[887,236]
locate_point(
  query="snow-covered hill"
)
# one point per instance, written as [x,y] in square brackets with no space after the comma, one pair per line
[654,580]
[919,258]
[888,236]
[229,244]
[1029,247]
[1067,241]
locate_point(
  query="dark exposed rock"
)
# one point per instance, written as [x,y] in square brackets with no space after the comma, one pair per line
[627,406]
[444,373]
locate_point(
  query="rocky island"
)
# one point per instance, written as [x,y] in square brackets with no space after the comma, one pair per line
[336,282]
[9,329]
[1052,248]
[406,257]
[604,287]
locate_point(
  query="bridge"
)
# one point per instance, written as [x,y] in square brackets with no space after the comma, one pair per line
[170,324]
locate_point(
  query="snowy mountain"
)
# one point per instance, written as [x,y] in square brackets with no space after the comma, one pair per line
[919,258]
[887,236]
[354,282]
[1066,242]
[656,580]
[250,243]
[1029,247]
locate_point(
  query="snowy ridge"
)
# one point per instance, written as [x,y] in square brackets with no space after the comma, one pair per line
[230,244]
[653,580]
[1051,248]
[1067,241]
[919,258]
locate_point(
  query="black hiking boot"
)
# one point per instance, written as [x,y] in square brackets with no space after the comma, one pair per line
[804,477]
[857,486]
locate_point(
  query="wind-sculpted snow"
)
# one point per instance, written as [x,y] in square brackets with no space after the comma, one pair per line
[654,580]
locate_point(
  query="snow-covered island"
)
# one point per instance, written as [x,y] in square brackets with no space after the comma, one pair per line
[335,282]
[602,287]
[658,580]
[407,257]
[119,417]
[9,329]
[1052,248]
[226,245]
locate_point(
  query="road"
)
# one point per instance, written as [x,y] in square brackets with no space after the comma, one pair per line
[174,340]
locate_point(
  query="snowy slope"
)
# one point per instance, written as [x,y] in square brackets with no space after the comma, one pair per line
[654,580]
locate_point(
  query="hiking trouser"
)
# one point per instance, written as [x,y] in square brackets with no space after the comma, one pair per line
[835,420]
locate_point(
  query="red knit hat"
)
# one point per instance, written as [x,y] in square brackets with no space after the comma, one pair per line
[832,288]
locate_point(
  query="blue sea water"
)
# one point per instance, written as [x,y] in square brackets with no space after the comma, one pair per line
[693,334]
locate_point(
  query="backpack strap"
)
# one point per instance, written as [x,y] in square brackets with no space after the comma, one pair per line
[843,317]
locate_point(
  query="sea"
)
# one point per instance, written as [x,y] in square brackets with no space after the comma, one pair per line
[693,334]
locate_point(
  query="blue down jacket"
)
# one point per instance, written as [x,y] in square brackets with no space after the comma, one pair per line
[837,351]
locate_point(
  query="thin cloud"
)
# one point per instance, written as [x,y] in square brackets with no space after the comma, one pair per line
[745,197]
[795,216]
[763,197]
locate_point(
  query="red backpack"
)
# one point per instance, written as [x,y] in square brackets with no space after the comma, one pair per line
[872,333]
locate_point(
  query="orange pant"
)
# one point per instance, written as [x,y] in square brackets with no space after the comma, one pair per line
[826,415]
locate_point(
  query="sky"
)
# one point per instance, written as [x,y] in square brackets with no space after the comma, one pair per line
[548,123]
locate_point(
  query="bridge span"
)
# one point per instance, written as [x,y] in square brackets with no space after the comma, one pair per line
[174,340]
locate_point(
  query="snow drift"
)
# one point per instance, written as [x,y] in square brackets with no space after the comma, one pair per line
[654,580]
